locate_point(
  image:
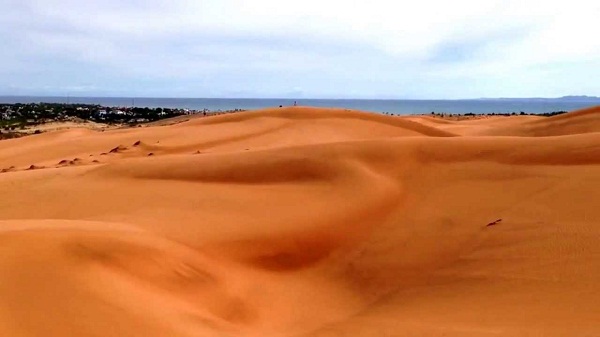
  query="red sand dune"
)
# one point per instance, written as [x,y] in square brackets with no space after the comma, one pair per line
[305,222]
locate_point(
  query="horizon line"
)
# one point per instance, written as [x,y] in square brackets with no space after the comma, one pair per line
[308,98]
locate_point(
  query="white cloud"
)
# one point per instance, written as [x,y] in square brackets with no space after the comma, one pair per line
[379,48]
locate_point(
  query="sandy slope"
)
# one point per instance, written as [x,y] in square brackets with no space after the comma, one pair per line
[304,222]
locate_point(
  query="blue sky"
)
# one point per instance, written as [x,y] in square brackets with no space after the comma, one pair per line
[300,49]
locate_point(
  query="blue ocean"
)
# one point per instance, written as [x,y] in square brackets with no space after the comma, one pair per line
[404,107]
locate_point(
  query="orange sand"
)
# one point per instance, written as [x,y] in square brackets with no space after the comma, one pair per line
[304,222]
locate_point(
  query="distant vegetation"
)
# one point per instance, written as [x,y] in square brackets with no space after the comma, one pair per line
[521,113]
[470,114]
[19,114]
[17,117]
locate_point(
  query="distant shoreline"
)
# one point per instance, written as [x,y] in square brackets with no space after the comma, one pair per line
[17,120]
[576,98]
[403,107]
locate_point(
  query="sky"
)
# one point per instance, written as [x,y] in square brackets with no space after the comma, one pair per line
[376,49]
